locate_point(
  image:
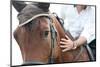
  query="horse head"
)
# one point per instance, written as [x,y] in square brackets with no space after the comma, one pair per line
[35,36]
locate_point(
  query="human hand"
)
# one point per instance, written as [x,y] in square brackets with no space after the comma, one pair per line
[66,44]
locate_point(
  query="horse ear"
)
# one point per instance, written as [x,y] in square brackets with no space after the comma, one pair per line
[44,6]
[18,5]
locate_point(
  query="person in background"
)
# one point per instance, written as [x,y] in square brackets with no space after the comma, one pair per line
[81,27]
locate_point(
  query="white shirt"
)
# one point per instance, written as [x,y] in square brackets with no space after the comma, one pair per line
[82,24]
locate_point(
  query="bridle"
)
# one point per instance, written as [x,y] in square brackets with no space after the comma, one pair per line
[53,39]
[53,42]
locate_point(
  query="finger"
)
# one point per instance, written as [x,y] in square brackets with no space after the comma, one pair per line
[64,43]
[67,37]
[63,39]
[64,50]
[62,46]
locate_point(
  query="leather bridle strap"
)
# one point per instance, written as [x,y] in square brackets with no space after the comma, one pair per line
[53,42]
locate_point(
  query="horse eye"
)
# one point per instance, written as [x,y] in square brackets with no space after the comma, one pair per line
[46,33]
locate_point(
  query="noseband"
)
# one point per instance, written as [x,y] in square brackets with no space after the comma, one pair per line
[53,39]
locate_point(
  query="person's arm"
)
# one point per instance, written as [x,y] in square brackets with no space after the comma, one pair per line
[80,41]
